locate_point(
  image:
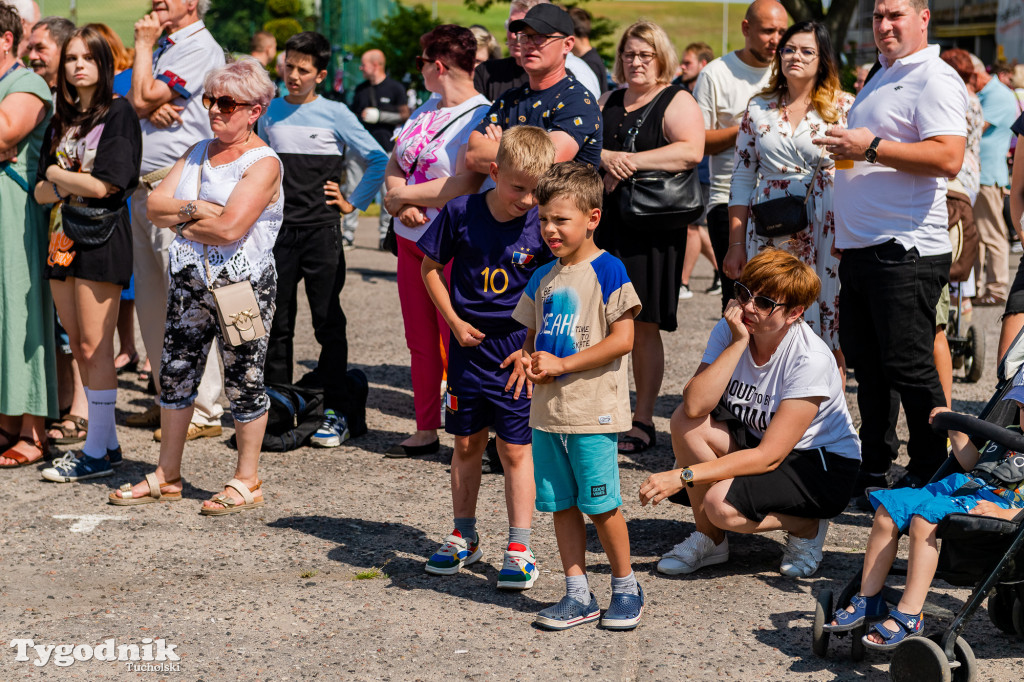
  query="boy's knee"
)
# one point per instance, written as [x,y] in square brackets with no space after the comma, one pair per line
[920,526]
[513,454]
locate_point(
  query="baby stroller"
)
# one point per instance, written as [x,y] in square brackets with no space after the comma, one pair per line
[985,552]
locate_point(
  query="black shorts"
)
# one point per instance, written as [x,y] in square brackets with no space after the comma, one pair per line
[108,262]
[812,484]
[1015,301]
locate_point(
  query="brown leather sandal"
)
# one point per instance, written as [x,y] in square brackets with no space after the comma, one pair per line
[69,434]
[156,493]
[20,458]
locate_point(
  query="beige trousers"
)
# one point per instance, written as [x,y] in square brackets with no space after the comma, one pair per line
[993,265]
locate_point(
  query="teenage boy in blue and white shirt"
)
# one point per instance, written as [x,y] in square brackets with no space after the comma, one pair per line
[310,135]
[493,241]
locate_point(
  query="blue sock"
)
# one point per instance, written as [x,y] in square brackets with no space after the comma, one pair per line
[625,585]
[577,587]
[467,527]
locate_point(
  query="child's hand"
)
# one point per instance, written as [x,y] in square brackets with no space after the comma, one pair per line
[986,508]
[411,216]
[938,410]
[533,376]
[493,132]
[518,376]
[466,334]
[659,486]
[546,365]
[335,198]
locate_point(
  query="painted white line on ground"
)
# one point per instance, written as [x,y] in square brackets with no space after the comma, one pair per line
[86,523]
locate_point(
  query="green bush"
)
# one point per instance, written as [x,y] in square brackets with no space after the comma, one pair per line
[398,37]
[283,28]
[284,8]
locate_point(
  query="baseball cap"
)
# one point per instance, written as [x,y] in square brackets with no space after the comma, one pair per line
[546,19]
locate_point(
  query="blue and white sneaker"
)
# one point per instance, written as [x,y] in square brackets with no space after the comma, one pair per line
[69,470]
[624,611]
[453,554]
[333,431]
[519,569]
[115,456]
[568,613]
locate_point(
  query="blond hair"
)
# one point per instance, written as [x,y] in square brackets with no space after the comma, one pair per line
[527,150]
[655,36]
[573,179]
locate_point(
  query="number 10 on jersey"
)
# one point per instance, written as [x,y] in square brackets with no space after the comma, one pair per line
[490,280]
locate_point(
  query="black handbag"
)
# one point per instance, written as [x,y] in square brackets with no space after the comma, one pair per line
[88,226]
[654,200]
[786,215]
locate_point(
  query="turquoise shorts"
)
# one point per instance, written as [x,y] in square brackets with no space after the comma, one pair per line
[576,470]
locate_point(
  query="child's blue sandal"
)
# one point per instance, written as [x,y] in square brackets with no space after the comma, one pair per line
[864,609]
[911,625]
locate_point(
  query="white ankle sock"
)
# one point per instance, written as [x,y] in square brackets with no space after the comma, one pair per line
[101,423]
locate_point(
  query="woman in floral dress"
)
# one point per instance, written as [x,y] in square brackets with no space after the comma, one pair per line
[776,156]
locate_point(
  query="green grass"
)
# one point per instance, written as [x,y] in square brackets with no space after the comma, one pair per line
[372,573]
[309,573]
[684,22]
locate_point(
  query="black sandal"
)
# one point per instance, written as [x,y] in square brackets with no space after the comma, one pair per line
[636,444]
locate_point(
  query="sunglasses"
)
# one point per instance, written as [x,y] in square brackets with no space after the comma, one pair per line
[225,104]
[423,61]
[762,304]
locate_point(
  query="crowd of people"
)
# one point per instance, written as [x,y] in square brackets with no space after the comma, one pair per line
[511,198]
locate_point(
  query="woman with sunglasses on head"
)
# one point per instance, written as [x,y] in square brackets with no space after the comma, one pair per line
[670,137]
[763,438]
[224,200]
[776,157]
[427,168]
[91,157]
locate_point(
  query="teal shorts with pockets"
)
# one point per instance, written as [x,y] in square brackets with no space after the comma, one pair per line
[576,470]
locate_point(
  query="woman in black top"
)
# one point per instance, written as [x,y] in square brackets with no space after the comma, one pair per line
[670,139]
[91,156]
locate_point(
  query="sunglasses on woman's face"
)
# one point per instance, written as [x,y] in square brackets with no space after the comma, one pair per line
[225,104]
[763,304]
[423,61]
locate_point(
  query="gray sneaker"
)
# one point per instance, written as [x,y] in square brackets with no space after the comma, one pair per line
[693,553]
[568,613]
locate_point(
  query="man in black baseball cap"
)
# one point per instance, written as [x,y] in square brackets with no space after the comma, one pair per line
[552,99]
[545,19]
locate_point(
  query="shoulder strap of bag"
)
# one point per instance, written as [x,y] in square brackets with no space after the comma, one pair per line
[810,186]
[439,133]
[14,175]
[630,142]
[199,185]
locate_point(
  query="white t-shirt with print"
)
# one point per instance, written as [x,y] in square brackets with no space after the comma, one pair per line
[423,154]
[722,91]
[801,367]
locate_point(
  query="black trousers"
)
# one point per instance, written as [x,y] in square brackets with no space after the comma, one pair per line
[718,230]
[887,304]
[313,254]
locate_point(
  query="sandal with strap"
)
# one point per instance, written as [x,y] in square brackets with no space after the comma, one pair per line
[155,494]
[232,506]
[69,434]
[864,609]
[20,457]
[911,625]
[636,444]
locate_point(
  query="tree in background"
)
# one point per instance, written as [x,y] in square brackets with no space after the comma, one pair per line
[286,20]
[398,37]
[233,22]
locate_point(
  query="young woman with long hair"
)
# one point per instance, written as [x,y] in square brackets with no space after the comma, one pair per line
[91,155]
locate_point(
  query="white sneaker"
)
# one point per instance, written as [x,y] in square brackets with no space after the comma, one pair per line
[802,556]
[684,292]
[696,551]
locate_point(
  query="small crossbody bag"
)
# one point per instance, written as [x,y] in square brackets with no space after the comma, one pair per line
[238,309]
[786,215]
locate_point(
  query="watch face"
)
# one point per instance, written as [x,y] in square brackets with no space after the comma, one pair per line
[687,474]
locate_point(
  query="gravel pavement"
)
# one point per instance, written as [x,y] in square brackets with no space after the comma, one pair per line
[326,581]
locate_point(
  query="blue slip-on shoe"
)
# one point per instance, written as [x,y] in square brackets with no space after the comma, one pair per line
[624,611]
[568,613]
[69,470]
[333,431]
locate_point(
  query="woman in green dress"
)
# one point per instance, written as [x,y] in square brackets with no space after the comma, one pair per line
[28,378]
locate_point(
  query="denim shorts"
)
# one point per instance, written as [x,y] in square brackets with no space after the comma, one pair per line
[576,470]
[933,502]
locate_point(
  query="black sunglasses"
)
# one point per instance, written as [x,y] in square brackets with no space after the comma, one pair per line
[423,61]
[227,105]
[762,303]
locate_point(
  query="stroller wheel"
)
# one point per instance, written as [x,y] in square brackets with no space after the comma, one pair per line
[822,610]
[919,658]
[974,354]
[1018,616]
[1000,609]
[967,671]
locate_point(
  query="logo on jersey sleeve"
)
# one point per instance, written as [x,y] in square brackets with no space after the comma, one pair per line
[451,402]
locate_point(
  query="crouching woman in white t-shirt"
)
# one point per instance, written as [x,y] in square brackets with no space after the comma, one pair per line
[763,436]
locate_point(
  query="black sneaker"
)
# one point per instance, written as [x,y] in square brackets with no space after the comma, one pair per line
[716,285]
[866,482]
[492,462]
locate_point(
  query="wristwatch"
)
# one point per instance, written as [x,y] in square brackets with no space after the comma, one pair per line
[686,477]
[188,210]
[871,153]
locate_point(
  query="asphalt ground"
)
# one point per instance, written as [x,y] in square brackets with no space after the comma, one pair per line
[326,581]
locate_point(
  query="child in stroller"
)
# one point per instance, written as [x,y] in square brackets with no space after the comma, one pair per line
[919,511]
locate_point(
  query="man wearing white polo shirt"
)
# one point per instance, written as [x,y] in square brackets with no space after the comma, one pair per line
[907,132]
